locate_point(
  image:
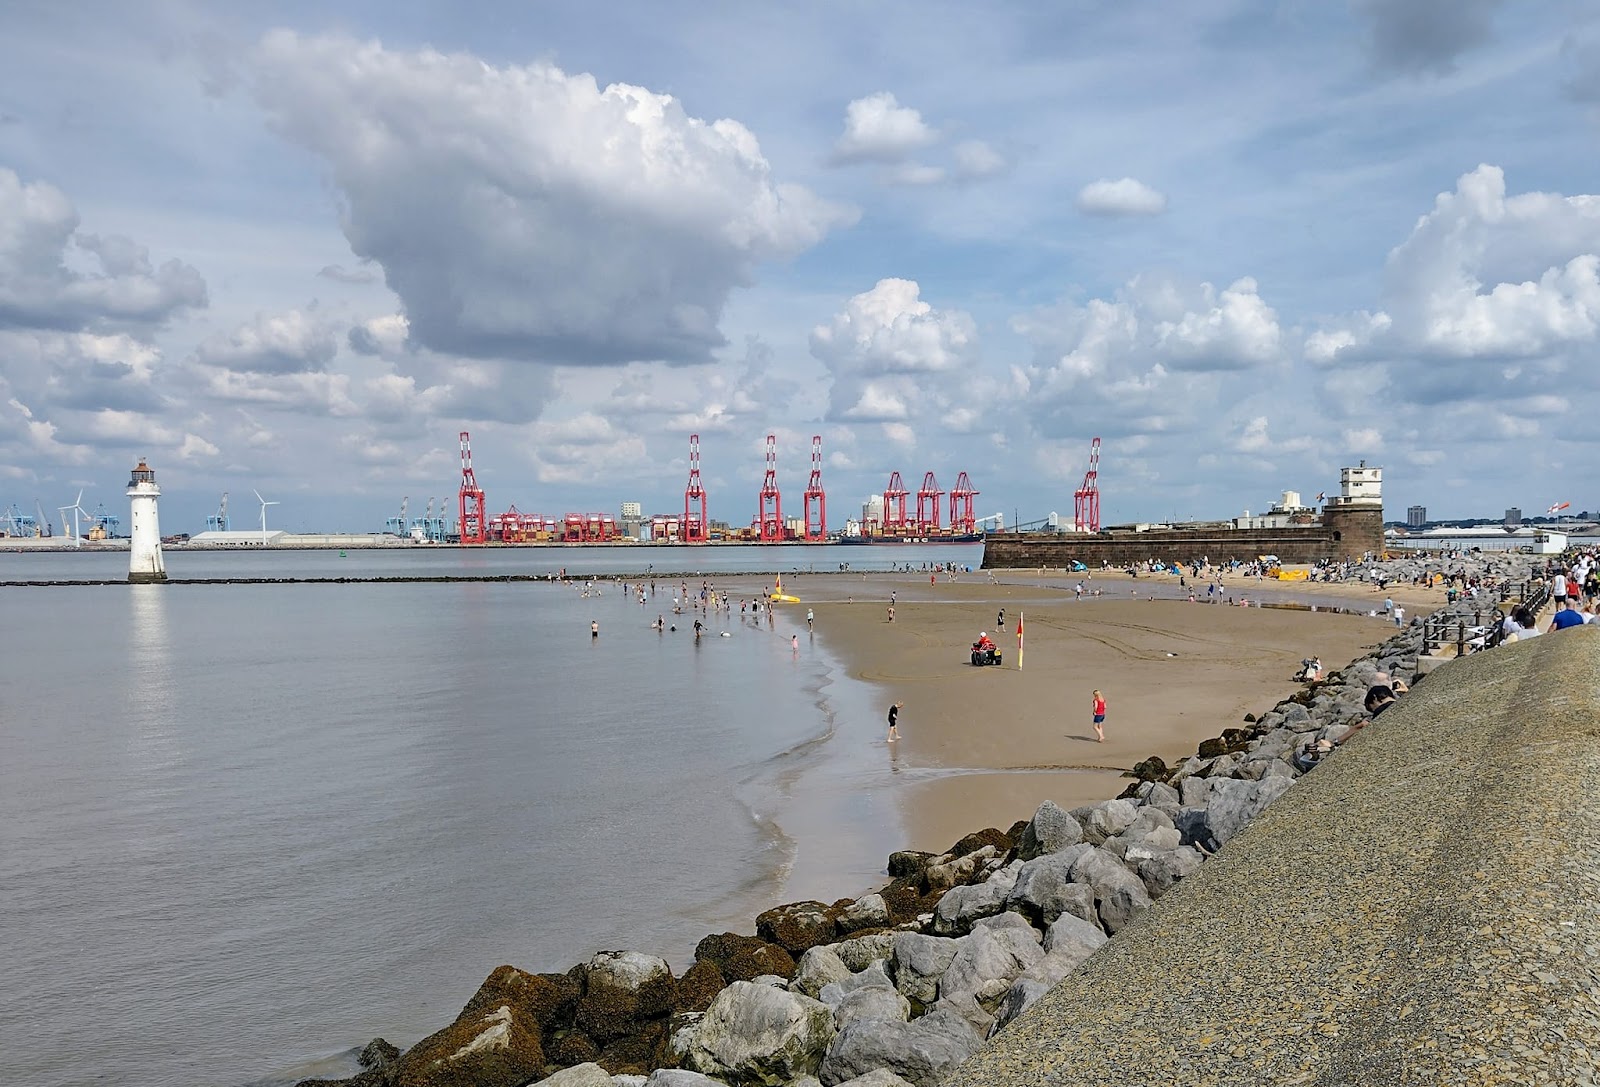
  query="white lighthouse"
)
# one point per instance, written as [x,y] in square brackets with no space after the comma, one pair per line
[144,554]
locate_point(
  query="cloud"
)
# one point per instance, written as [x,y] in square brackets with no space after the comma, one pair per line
[1345,339]
[975,159]
[1425,36]
[878,128]
[340,274]
[43,284]
[524,213]
[195,447]
[1124,196]
[385,336]
[1484,275]
[278,343]
[890,330]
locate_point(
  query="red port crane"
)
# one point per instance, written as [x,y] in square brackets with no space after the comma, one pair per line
[928,506]
[474,527]
[1086,499]
[816,501]
[695,527]
[894,505]
[961,515]
[771,516]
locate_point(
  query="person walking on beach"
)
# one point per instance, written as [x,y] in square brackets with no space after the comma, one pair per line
[811,617]
[894,717]
[594,628]
[1100,717]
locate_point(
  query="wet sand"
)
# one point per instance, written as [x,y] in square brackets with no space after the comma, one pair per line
[984,746]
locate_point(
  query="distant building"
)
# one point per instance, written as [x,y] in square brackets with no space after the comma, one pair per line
[1513,517]
[1288,510]
[1416,516]
[632,519]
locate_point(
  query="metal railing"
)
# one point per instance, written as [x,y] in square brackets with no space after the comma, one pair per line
[1445,627]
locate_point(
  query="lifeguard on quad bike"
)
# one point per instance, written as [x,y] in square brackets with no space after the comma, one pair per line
[984,651]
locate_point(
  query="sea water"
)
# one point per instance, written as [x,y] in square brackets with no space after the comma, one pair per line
[243,828]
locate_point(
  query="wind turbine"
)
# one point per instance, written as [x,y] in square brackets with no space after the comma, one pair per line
[264,505]
[76,509]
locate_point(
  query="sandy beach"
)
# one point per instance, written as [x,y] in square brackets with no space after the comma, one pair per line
[984,746]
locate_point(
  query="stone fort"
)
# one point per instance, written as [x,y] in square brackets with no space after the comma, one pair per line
[1349,527]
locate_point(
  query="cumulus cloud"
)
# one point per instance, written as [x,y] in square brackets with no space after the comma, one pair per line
[890,329]
[1124,196]
[43,282]
[1345,339]
[1425,36]
[1487,275]
[522,212]
[277,343]
[878,128]
[895,359]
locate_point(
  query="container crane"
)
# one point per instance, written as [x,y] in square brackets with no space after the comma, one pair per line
[771,510]
[474,526]
[218,522]
[397,525]
[928,497]
[816,500]
[961,496]
[1086,499]
[695,528]
[894,505]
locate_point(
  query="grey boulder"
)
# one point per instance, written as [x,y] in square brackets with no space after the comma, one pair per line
[1233,803]
[918,962]
[580,1075]
[922,1052]
[817,967]
[869,911]
[755,1034]
[871,1002]
[1051,830]
[857,952]
[981,972]
[1045,889]
[961,906]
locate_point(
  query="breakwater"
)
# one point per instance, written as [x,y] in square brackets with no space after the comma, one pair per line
[905,983]
[1424,909]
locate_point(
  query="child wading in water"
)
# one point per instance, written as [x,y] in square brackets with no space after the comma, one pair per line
[894,716]
[1100,716]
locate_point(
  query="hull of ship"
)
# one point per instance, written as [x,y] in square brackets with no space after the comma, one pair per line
[910,541]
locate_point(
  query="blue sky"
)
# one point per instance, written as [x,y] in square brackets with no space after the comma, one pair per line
[297,248]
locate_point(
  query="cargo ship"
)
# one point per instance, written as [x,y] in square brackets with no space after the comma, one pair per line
[962,538]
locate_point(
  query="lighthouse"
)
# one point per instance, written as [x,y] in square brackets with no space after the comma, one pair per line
[144,554]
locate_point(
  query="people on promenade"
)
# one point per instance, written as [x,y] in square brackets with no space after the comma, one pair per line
[1099,710]
[894,718]
[1568,615]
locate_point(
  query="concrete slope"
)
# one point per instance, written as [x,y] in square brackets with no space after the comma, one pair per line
[1424,908]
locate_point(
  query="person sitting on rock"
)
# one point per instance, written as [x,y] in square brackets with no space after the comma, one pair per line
[1379,698]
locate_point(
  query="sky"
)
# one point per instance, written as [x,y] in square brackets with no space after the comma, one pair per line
[298,248]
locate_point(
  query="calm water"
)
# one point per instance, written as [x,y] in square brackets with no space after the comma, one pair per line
[246,827]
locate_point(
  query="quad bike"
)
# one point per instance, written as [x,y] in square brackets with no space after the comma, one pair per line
[985,654]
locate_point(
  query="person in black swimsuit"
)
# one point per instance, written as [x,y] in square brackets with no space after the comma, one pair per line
[894,716]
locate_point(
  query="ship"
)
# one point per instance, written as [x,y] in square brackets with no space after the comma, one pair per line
[961,538]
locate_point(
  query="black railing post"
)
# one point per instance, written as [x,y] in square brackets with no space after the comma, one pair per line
[1461,639]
